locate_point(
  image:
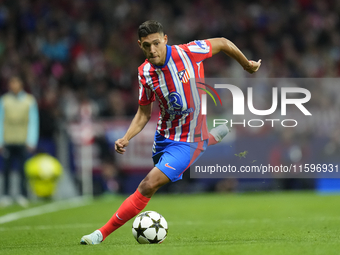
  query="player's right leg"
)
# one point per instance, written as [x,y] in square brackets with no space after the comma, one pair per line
[133,205]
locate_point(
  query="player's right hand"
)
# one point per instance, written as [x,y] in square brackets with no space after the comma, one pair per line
[120,144]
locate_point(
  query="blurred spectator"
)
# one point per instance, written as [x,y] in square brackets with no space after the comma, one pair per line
[19,132]
[292,149]
[55,48]
[106,175]
[331,151]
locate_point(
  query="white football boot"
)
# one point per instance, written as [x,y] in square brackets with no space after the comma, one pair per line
[22,201]
[95,238]
[5,201]
[219,132]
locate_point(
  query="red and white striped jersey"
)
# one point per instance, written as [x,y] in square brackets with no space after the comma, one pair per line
[180,117]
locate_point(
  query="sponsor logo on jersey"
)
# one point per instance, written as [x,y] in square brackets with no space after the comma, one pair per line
[187,111]
[176,105]
[175,100]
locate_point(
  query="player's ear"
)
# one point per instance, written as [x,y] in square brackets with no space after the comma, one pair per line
[139,43]
[166,39]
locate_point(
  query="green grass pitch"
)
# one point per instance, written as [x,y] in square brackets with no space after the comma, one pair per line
[265,223]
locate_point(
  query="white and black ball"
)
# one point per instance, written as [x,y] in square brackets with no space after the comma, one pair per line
[149,227]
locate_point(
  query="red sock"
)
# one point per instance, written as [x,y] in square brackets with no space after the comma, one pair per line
[212,140]
[128,209]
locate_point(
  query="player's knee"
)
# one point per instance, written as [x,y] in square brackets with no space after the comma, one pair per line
[148,186]
[152,182]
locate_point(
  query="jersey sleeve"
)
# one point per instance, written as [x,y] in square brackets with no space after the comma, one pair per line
[146,95]
[200,49]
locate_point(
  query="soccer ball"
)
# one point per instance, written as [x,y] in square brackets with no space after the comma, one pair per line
[149,227]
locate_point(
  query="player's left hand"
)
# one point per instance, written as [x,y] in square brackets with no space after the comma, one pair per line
[253,66]
[120,144]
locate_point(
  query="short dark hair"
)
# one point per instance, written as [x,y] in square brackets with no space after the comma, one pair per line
[150,27]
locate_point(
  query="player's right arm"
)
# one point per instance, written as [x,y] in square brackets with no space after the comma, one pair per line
[230,49]
[142,117]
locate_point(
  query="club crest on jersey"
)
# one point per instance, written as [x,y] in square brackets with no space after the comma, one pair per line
[183,76]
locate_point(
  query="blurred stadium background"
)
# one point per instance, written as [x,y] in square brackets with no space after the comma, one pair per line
[79,59]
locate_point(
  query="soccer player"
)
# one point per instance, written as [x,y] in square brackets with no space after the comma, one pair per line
[182,135]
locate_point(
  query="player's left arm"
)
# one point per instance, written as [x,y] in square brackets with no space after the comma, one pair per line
[226,46]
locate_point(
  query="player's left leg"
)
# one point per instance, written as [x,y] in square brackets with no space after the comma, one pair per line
[133,205]
[217,134]
[152,182]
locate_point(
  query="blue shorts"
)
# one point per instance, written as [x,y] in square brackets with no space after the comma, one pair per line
[173,158]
